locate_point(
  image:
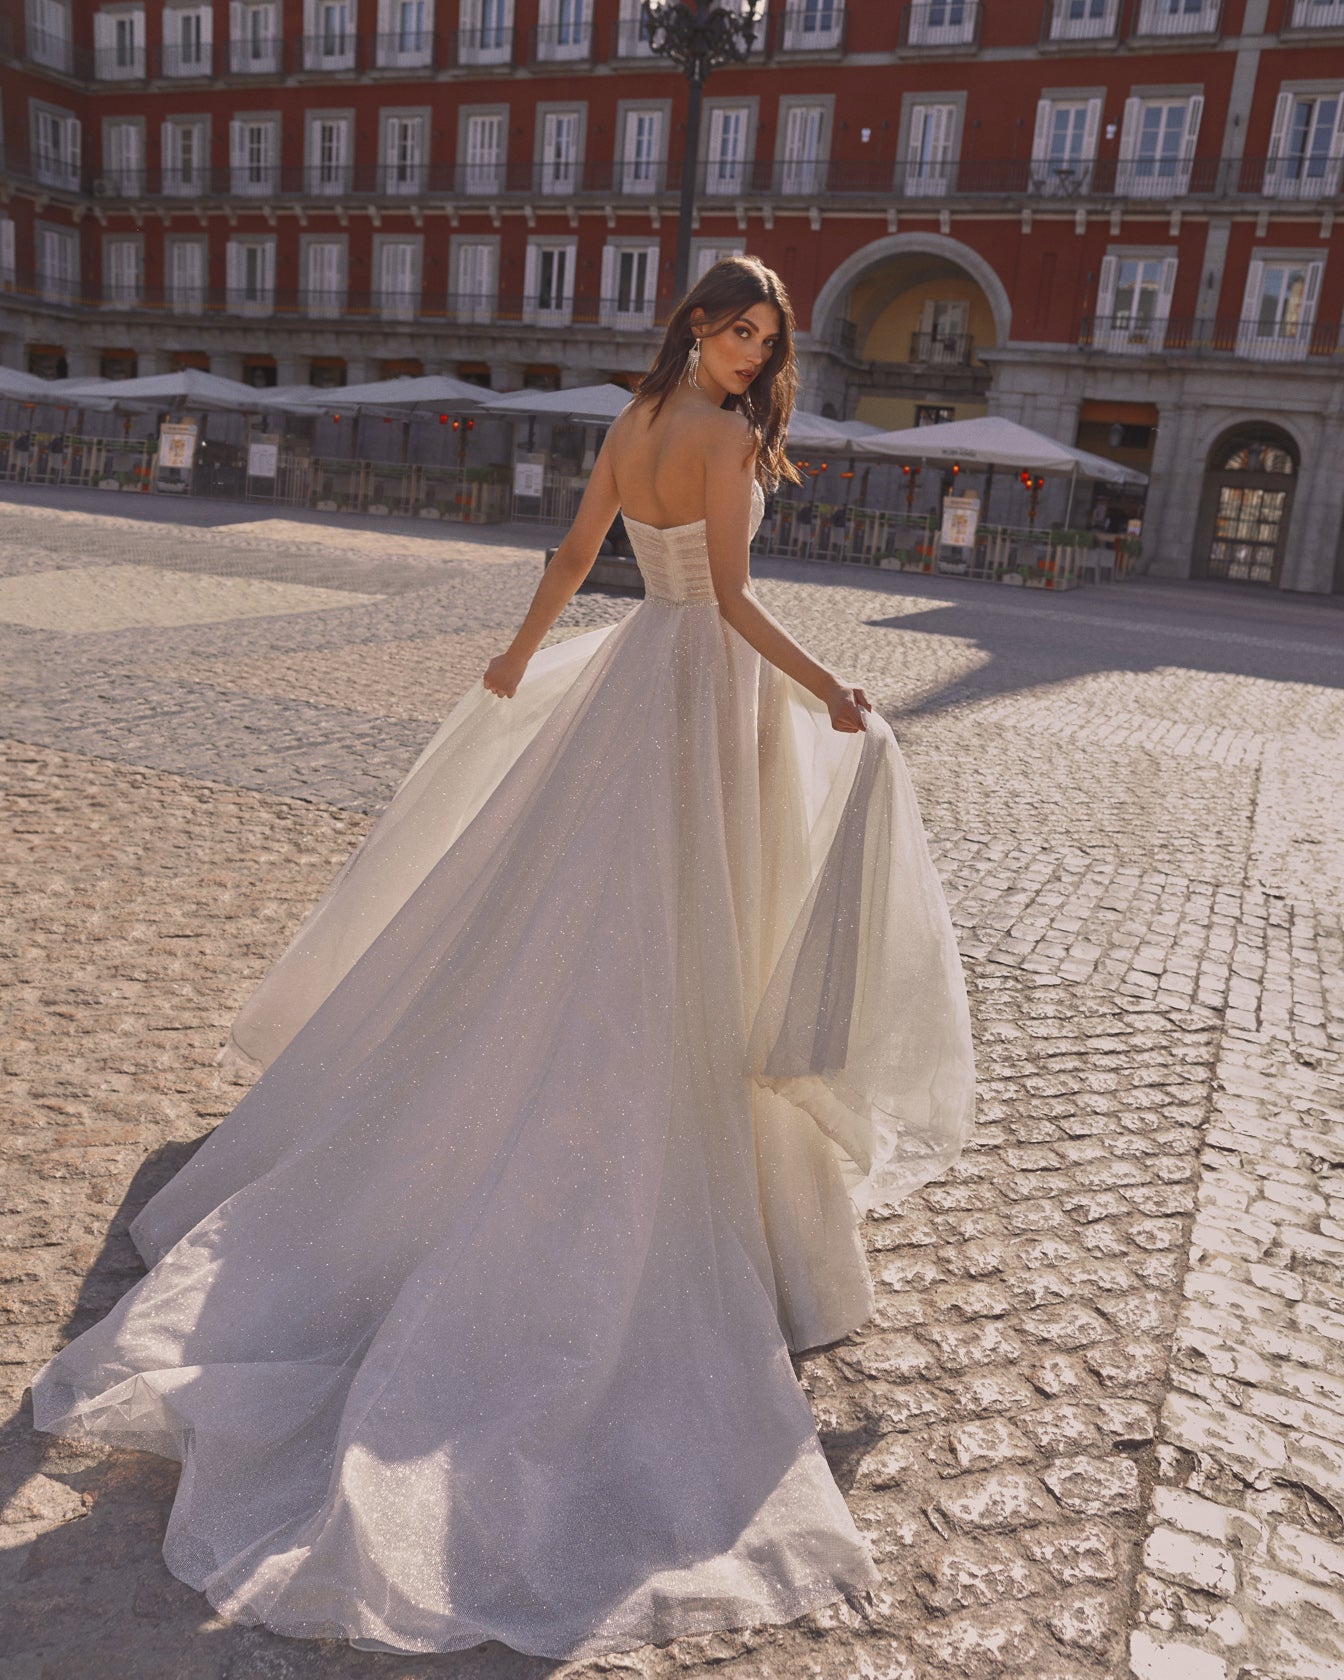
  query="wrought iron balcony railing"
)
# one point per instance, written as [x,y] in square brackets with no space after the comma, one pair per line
[1255,339]
[562,43]
[940,25]
[810,26]
[820,181]
[932,349]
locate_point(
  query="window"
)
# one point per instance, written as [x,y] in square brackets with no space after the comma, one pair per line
[324,278]
[187,41]
[119,45]
[185,150]
[726,153]
[1318,14]
[475,280]
[1157,146]
[251,276]
[642,152]
[404,33]
[1083,20]
[48,34]
[56,147]
[254,164]
[123,160]
[486,32]
[483,170]
[57,264]
[565,29]
[803,165]
[1306,145]
[1177,17]
[813,25]
[398,270]
[928,165]
[330,27]
[8,264]
[629,285]
[254,37]
[632,38]
[1133,302]
[328,154]
[185,274]
[705,253]
[942,23]
[943,336]
[548,285]
[1279,308]
[559,151]
[1065,146]
[403,168]
[122,272]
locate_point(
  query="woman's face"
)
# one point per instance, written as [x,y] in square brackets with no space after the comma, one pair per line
[735,355]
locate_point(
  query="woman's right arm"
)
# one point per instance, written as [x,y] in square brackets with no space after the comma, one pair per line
[728,480]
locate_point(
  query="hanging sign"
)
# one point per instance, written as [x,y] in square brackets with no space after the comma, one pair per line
[177,443]
[961,515]
[529,478]
[263,460]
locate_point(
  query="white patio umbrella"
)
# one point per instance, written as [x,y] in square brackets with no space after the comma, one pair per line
[426,391]
[188,387]
[815,431]
[58,393]
[592,405]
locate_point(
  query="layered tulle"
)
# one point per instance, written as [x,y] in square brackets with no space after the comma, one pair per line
[473,1320]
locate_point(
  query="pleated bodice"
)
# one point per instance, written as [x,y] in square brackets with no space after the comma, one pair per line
[674,559]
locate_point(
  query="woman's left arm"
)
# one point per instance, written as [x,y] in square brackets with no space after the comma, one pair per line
[570,564]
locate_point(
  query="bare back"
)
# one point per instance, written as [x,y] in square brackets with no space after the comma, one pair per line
[659,463]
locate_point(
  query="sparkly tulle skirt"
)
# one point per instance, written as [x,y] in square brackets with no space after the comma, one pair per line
[473,1320]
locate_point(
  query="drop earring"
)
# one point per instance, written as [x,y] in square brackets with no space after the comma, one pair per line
[693,364]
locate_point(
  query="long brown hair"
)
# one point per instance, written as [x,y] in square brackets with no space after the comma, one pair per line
[724,292]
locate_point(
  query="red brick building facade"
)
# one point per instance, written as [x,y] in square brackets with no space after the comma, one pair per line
[1110,219]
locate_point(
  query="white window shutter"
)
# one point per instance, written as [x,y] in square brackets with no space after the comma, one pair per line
[610,257]
[654,253]
[1106,288]
[1194,111]
[72,146]
[268,268]
[1091,130]
[234,269]
[1311,292]
[104,37]
[1165,287]
[237,27]
[1278,136]
[7,259]
[238,144]
[1040,140]
[1336,152]
[1255,284]
[1129,130]
[207,16]
[530,269]
[568,265]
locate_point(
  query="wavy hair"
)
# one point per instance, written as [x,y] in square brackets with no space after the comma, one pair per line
[724,292]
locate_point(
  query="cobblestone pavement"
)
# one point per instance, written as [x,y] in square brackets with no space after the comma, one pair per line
[1096,1427]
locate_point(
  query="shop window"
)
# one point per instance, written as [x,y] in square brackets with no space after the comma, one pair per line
[326,372]
[541,379]
[474,373]
[405,368]
[197,359]
[118,364]
[259,372]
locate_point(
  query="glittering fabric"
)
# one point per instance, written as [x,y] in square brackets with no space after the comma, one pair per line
[472,1321]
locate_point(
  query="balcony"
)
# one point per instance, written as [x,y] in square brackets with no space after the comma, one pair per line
[930,349]
[122,63]
[181,61]
[827,183]
[936,26]
[811,26]
[1088,24]
[1317,343]
[1313,19]
[481,48]
[1180,20]
[408,50]
[562,43]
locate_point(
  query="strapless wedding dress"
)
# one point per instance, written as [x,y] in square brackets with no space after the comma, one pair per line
[472,1321]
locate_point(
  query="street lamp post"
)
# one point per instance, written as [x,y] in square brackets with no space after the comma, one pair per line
[698,35]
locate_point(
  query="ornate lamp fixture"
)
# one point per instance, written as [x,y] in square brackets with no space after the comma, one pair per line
[698,35]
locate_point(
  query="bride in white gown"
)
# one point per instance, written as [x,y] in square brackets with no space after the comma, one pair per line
[472,1321]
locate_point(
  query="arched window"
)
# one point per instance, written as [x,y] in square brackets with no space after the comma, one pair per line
[1257,456]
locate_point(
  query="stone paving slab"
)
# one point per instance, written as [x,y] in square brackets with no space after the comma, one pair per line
[1095,1428]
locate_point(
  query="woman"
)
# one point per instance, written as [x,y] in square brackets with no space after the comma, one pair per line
[472,1321]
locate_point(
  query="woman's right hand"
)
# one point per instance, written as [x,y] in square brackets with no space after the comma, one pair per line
[847,706]
[503,674]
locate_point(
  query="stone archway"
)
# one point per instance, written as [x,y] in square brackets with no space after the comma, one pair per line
[832,296]
[1250,474]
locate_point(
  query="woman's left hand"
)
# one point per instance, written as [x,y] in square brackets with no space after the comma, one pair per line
[503,674]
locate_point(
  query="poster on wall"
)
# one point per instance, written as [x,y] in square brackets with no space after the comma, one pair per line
[961,515]
[529,478]
[263,460]
[177,444]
